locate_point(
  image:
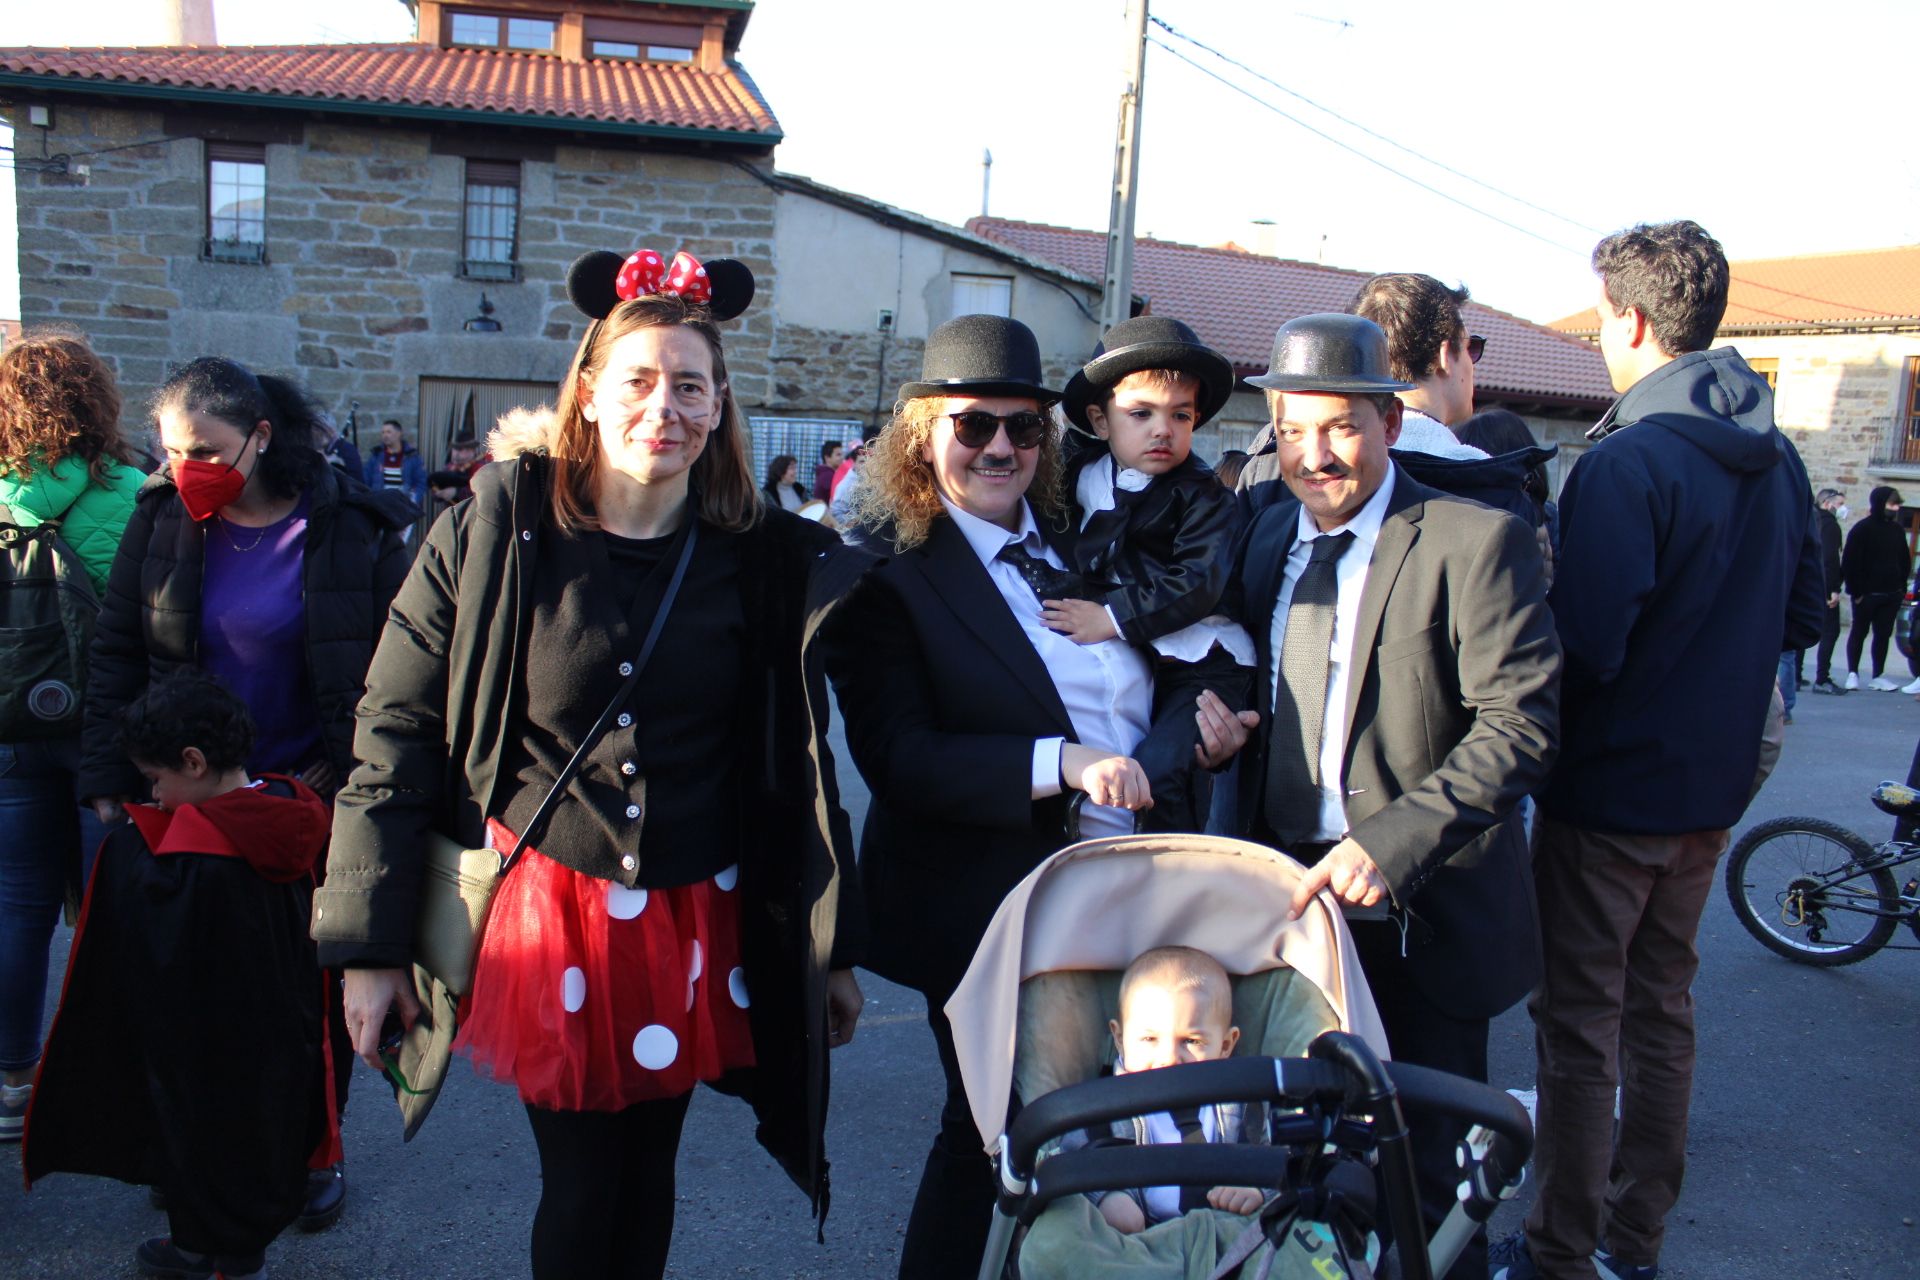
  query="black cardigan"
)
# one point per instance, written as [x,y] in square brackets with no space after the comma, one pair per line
[150,617]
[429,743]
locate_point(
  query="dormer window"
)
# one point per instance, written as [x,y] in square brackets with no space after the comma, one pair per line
[642,41]
[471,30]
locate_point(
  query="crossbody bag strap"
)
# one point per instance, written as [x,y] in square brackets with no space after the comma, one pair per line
[587,744]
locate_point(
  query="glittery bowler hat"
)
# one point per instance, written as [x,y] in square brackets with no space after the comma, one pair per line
[980,356]
[1331,352]
[1149,342]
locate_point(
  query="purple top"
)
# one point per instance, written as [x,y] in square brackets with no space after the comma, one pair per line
[253,634]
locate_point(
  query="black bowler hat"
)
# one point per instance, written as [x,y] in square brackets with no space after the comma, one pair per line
[1149,342]
[980,356]
[1331,352]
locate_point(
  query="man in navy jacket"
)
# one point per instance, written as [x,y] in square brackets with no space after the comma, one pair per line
[1689,562]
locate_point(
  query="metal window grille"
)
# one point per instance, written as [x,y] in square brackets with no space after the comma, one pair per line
[801,437]
[1907,447]
[492,221]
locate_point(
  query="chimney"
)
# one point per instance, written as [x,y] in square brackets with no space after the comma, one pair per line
[189,22]
[1266,238]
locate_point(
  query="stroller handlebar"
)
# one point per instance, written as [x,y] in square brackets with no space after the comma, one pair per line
[1289,1082]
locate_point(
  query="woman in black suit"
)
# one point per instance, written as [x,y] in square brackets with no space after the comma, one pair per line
[971,721]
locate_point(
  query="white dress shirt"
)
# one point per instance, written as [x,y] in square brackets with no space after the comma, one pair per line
[1094,490]
[1107,687]
[1350,576]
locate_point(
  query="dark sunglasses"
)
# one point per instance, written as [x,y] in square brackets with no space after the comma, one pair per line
[976,428]
[389,1052]
[1476,347]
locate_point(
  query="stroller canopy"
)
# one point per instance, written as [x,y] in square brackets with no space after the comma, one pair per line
[1095,906]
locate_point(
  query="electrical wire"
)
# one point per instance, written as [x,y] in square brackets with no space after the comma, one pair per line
[1865,312]
[1372,160]
[1355,124]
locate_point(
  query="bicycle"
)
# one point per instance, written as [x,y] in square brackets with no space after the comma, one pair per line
[1816,893]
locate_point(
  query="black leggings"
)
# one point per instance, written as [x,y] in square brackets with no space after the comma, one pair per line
[606,1190]
[1878,610]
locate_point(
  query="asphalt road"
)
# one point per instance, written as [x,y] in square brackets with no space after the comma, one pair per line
[1805,1142]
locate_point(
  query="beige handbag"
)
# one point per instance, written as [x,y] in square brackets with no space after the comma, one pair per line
[456,892]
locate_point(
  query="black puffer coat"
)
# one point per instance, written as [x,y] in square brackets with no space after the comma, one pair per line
[150,616]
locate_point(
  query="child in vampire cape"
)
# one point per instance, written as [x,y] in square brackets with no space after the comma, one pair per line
[189,1052]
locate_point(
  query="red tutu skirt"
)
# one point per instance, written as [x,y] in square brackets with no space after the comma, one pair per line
[590,996]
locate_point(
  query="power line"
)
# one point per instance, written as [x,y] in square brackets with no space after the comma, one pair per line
[1372,160]
[1355,124]
[1506,195]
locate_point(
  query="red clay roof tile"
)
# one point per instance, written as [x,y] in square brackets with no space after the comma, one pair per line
[1863,287]
[1235,300]
[422,75]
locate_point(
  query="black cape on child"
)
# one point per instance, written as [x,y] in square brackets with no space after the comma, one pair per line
[189,1052]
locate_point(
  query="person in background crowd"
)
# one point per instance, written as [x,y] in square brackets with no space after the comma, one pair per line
[397,465]
[969,719]
[1227,470]
[696,865]
[1874,567]
[62,459]
[1689,560]
[454,482]
[1831,509]
[1502,431]
[1429,346]
[334,445]
[846,468]
[194,940]
[830,455]
[783,488]
[846,491]
[258,563]
[1410,663]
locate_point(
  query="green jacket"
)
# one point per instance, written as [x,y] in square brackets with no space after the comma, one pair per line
[93,514]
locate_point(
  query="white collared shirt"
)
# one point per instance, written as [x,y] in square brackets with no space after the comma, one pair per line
[1350,576]
[1107,688]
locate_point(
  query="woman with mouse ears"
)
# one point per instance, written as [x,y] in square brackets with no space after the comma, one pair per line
[682,914]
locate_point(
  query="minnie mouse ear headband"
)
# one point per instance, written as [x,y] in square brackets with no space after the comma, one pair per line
[600,281]
[1149,342]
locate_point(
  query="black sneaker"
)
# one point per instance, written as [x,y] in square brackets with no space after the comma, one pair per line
[1508,1259]
[1611,1268]
[1828,686]
[326,1199]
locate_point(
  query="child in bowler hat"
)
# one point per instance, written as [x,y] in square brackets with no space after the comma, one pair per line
[1155,541]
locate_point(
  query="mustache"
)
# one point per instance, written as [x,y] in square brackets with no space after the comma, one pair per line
[1332,471]
[994,460]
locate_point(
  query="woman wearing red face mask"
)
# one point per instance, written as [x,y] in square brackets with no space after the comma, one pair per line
[249,558]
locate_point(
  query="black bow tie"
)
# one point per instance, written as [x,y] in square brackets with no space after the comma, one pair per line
[1046,582]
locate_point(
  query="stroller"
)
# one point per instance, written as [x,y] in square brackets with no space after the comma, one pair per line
[1030,1023]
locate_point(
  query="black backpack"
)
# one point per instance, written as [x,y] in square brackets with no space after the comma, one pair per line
[47,611]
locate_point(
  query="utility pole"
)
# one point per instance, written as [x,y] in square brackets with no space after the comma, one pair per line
[1116,302]
[986,179]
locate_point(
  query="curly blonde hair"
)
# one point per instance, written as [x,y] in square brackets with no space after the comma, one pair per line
[896,484]
[58,400]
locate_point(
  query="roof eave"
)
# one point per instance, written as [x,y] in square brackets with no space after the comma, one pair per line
[907,220]
[407,110]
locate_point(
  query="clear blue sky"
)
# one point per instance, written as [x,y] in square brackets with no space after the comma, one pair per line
[1779,126]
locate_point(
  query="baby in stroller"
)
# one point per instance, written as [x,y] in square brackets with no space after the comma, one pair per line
[1042,1009]
[1176,1005]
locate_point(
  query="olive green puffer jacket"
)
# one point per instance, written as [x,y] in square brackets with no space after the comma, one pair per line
[93,514]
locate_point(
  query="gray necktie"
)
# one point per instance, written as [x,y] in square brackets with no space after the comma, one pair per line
[1300,696]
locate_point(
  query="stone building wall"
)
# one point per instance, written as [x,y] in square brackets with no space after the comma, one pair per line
[1837,396]
[359,297]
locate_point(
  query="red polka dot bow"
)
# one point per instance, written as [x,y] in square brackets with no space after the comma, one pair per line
[645,272]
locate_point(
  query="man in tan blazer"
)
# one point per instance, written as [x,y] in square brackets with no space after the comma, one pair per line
[1411,699]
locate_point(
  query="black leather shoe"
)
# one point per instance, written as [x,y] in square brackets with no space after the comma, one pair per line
[158,1257]
[326,1197]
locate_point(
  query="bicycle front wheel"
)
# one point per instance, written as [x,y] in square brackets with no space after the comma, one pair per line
[1807,890]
